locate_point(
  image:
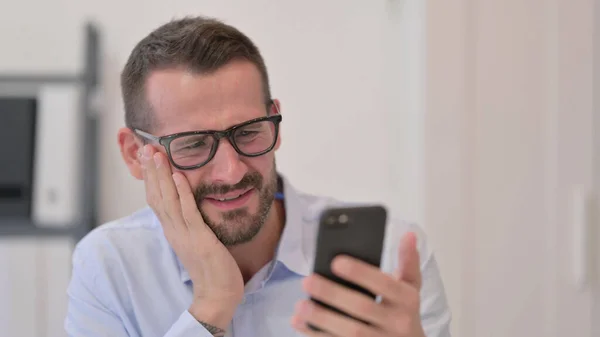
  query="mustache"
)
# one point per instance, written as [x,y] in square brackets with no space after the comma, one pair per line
[250,180]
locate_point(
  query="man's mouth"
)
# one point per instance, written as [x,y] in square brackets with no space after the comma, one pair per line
[228,197]
[230,200]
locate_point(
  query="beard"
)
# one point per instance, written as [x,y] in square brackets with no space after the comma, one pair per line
[240,225]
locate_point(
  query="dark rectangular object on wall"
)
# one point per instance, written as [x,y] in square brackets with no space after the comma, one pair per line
[17,149]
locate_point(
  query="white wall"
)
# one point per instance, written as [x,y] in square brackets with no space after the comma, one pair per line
[33,278]
[508,138]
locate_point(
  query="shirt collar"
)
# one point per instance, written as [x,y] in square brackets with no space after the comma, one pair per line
[291,251]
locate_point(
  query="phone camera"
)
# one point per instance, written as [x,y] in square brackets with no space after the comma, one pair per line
[338,220]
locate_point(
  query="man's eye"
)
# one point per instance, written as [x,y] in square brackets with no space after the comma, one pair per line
[246,133]
[195,145]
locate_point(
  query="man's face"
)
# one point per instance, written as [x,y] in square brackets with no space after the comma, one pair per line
[234,193]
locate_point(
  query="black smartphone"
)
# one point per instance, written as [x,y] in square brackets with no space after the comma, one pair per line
[355,231]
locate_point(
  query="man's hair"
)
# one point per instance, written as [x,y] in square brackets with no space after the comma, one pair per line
[198,44]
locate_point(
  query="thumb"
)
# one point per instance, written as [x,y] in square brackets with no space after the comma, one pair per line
[409,269]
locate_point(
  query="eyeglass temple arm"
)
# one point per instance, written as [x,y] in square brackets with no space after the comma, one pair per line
[146,135]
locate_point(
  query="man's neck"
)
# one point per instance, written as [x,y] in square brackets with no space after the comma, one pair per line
[254,255]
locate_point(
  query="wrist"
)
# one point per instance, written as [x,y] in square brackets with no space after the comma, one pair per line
[217,315]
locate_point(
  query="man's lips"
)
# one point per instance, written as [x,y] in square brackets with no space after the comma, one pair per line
[228,196]
[230,201]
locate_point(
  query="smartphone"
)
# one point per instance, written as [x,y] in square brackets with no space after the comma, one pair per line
[355,231]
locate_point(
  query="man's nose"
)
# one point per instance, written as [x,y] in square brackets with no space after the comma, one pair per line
[226,166]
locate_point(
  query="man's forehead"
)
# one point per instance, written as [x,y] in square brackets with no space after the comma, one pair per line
[185,101]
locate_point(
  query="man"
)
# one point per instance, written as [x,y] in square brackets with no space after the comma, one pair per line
[226,245]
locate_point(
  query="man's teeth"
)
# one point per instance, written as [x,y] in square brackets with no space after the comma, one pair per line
[229,199]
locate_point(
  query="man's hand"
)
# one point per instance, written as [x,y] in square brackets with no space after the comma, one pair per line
[217,281]
[396,316]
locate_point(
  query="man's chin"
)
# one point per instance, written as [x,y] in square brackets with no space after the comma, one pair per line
[239,221]
[234,227]
[239,215]
[231,218]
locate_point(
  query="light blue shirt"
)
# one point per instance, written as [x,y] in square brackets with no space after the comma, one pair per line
[127,281]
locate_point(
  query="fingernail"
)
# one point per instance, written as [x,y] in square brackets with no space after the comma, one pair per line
[305,308]
[298,322]
[156,160]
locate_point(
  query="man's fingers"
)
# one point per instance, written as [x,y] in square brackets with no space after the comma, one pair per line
[170,197]
[153,194]
[332,323]
[189,208]
[350,301]
[409,264]
[369,277]
[301,326]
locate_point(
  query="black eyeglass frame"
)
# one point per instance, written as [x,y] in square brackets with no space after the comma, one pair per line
[166,140]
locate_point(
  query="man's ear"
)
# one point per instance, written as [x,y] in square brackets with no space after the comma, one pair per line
[275,110]
[130,146]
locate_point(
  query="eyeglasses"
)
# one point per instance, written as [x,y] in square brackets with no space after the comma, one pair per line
[194,149]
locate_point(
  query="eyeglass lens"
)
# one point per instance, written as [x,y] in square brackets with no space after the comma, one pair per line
[250,139]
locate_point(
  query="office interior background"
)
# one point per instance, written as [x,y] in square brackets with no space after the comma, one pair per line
[478,119]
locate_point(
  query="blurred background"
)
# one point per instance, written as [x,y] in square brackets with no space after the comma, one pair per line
[477,119]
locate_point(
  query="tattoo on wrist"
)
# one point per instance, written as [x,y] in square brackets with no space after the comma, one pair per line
[217,332]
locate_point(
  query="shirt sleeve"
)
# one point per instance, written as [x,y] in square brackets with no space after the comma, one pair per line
[90,315]
[186,326]
[435,311]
